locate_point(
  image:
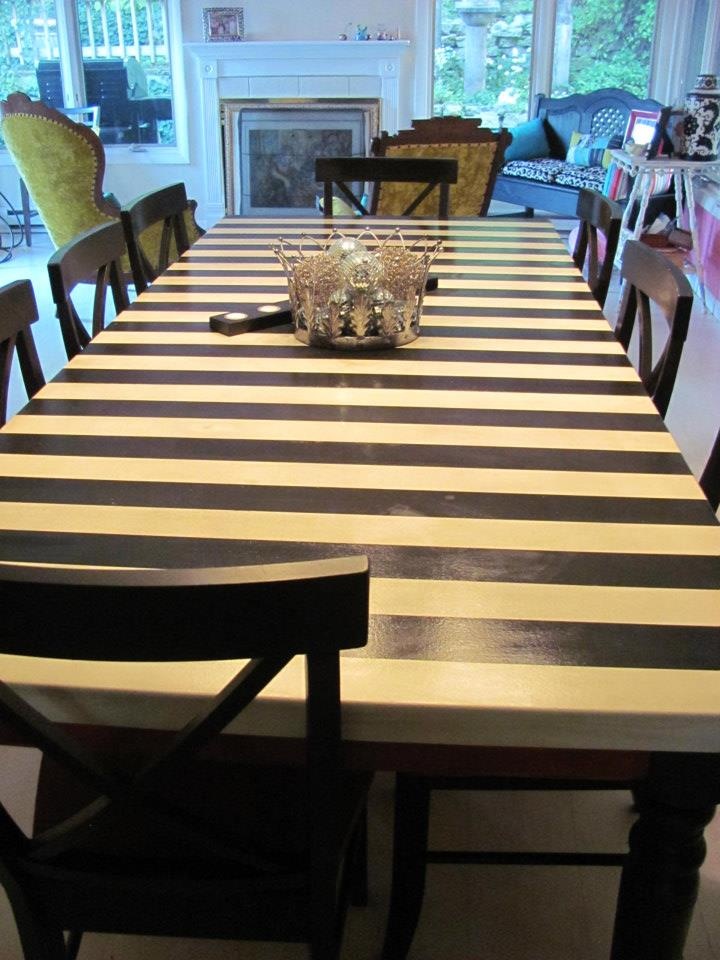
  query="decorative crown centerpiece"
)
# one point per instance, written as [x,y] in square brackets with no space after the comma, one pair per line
[347,295]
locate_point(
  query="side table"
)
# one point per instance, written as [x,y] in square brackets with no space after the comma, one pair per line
[682,172]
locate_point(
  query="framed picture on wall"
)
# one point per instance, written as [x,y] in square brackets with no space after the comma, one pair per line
[224,24]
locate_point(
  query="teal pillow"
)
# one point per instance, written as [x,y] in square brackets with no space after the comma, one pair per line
[529,141]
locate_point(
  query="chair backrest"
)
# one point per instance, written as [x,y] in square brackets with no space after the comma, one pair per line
[92,257]
[478,150]
[18,310]
[265,615]
[433,174]
[62,164]
[710,478]
[650,277]
[166,207]
[597,213]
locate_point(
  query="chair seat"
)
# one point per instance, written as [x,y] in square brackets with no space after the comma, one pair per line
[247,802]
[548,170]
[263,807]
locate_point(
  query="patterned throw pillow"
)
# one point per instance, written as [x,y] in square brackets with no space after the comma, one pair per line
[589,151]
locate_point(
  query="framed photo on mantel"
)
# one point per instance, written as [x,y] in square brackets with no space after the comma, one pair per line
[223,24]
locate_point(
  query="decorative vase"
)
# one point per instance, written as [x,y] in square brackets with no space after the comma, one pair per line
[702,119]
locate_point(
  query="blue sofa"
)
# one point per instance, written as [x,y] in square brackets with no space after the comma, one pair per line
[543,180]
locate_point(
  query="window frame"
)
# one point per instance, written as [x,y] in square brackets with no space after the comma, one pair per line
[71,69]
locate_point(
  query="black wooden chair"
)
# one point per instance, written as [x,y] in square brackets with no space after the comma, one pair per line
[18,310]
[168,208]
[92,257]
[651,277]
[432,174]
[505,769]
[710,478]
[173,835]
[597,214]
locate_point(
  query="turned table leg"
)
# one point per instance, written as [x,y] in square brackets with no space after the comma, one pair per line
[660,879]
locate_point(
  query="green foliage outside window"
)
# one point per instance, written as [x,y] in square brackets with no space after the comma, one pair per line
[18,42]
[609,46]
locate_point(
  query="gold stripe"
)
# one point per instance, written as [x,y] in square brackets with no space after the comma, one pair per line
[249,266]
[511,323]
[324,431]
[552,286]
[359,529]
[511,258]
[349,365]
[351,476]
[610,347]
[457,242]
[569,603]
[515,303]
[477,225]
[352,396]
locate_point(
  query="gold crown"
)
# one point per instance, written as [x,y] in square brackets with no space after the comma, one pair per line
[347,295]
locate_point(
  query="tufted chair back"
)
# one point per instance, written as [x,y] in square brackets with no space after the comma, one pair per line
[62,164]
[478,150]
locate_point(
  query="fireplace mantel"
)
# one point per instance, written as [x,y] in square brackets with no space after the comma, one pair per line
[292,69]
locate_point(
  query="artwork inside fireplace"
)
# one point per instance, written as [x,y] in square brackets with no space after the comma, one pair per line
[270,150]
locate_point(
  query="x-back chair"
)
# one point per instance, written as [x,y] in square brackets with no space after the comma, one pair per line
[650,278]
[597,214]
[18,310]
[431,174]
[92,257]
[176,836]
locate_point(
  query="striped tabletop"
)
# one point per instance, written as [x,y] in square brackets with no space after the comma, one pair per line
[545,568]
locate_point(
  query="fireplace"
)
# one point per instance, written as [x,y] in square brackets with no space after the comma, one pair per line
[377,72]
[270,149]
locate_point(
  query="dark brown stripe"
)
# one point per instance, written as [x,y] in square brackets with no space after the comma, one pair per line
[510,458]
[515,333]
[399,502]
[374,381]
[295,350]
[358,414]
[505,566]
[570,644]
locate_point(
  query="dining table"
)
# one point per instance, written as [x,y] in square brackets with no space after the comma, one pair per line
[545,569]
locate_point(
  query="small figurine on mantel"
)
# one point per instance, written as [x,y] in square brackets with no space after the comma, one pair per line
[362,33]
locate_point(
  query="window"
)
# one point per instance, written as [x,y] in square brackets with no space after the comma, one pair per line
[482,59]
[118,58]
[603,43]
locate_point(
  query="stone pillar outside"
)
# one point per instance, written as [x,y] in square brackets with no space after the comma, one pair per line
[476,15]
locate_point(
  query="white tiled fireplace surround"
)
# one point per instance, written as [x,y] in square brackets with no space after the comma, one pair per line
[294,70]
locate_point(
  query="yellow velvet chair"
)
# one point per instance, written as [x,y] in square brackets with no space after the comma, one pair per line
[62,164]
[478,150]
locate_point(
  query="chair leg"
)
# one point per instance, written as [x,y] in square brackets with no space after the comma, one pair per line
[359,863]
[410,840]
[72,944]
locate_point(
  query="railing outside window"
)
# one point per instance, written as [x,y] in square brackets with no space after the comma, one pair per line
[123,52]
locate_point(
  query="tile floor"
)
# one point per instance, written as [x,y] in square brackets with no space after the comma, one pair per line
[497,913]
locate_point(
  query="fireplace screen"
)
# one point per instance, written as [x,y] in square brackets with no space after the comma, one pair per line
[270,151]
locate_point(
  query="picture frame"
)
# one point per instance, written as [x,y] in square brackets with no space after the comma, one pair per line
[641,127]
[223,24]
